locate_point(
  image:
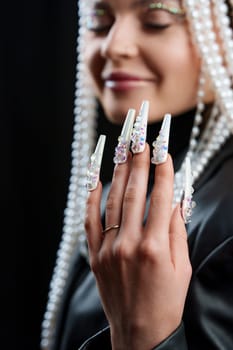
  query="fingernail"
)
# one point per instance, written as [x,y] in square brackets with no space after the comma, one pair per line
[140,129]
[93,171]
[161,143]
[187,204]
[122,149]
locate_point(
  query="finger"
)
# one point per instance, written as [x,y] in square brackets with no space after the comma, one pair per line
[178,239]
[93,223]
[115,198]
[135,193]
[160,208]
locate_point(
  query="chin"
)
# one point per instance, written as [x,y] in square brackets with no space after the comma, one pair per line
[116,108]
[116,114]
[116,105]
[114,118]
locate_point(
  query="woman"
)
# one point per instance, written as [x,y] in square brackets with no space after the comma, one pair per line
[179,56]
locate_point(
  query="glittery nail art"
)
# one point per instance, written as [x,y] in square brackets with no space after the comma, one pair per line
[140,129]
[122,149]
[93,170]
[187,204]
[161,143]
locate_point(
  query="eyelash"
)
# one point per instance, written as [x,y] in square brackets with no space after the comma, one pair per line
[158,27]
[99,30]
[152,26]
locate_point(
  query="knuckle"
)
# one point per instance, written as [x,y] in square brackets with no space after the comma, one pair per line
[111,202]
[141,162]
[122,252]
[105,256]
[185,269]
[154,201]
[90,201]
[188,269]
[180,238]
[150,251]
[104,263]
[94,265]
[118,170]
[157,197]
[130,195]
[161,179]
[165,173]
[87,223]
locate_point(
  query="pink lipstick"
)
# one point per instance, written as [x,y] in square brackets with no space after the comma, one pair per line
[120,81]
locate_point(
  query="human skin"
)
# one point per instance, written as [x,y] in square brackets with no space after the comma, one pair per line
[142,272]
[164,60]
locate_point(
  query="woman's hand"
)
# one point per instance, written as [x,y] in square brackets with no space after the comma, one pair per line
[142,272]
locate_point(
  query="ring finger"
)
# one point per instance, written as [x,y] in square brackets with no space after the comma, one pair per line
[115,199]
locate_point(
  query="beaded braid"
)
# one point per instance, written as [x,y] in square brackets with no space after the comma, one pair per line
[73,230]
[220,123]
[199,16]
[223,24]
[217,130]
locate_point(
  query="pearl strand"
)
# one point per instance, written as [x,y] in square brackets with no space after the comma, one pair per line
[198,117]
[212,139]
[208,146]
[179,176]
[224,27]
[200,23]
[73,230]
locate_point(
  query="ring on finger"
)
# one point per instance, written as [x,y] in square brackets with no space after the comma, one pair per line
[111,227]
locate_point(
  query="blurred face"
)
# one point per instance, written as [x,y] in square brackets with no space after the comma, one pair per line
[139,49]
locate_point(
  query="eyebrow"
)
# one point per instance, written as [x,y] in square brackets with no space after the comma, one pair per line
[100,3]
[175,9]
[144,2]
[138,3]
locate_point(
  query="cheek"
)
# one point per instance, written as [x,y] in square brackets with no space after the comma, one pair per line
[177,61]
[186,64]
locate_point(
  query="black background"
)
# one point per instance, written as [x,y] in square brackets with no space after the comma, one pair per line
[38,57]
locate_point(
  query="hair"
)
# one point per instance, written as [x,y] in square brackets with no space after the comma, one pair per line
[203,17]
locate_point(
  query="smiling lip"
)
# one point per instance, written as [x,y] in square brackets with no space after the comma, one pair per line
[123,81]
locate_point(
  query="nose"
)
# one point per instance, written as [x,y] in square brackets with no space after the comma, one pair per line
[121,41]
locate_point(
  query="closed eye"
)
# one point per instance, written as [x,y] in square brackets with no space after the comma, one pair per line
[156,26]
[99,20]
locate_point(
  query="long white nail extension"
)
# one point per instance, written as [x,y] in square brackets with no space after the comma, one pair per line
[122,149]
[140,129]
[93,171]
[187,204]
[160,145]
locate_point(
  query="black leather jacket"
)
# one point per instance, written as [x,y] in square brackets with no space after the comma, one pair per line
[208,314]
